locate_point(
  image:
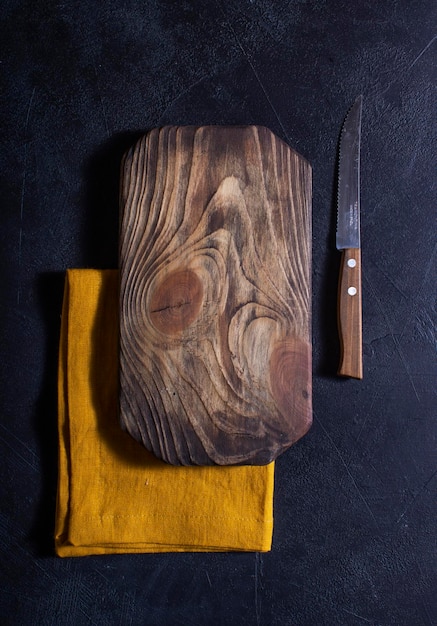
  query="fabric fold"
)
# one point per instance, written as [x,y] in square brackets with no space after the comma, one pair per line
[113,495]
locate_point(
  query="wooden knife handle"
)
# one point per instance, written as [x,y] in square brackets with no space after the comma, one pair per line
[350,314]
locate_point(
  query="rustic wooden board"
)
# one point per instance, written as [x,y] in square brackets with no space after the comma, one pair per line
[215,295]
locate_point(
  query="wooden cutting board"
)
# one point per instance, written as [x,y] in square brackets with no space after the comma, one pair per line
[215,295]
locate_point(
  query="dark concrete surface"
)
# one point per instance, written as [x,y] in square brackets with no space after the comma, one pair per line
[355,500]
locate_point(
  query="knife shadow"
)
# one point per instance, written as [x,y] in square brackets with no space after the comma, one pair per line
[326,312]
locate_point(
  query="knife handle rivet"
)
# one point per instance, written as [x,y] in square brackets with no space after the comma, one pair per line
[351,263]
[352,291]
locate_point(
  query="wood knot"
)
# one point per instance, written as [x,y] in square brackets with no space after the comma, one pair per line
[290,382]
[176,301]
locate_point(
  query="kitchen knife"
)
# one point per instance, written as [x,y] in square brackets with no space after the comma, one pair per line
[348,240]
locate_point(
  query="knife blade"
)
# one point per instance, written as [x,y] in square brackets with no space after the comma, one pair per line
[348,241]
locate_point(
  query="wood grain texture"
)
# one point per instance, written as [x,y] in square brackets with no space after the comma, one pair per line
[350,314]
[215,295]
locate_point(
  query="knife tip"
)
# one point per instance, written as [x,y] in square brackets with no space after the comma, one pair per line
[358,102]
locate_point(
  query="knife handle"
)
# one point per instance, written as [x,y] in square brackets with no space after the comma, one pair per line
[350,314]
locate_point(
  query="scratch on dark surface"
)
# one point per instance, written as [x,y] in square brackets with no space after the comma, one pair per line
[426,328]
[328,436]
[416,497]
[369,412]
[11,434]
[20,456]
[252,67]
[404,363]
[401,71]
[390,280]
[208,578]
[88,618]
[127,608]
[422,52]
[70,595]
[97,571]
[394,339]
[23,552]
[40,567]
[180,94]
[23,192]
[423,603]
[19,596]
[364,619]
[422,285]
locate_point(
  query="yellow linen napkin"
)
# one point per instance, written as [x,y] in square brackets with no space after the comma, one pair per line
[113,495]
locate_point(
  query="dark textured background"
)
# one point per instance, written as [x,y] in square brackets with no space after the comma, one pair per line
[355,500]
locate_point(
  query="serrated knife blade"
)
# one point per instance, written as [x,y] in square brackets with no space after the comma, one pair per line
[348,240]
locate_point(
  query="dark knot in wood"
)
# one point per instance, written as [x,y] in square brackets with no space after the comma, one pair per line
[290,362]
[176,302]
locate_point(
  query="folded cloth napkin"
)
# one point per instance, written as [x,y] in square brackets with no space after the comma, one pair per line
[113,495]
